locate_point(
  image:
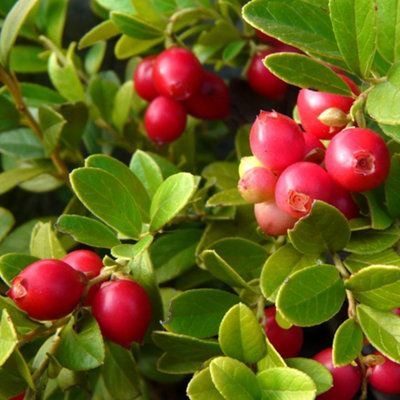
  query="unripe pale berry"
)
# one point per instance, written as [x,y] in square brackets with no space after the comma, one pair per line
[276,140]
[48,289]
[385,377]
[287,342]
[143,79]
[177,73]
[257,185]
[272,220]
[165,120]
[358,159]
[211,100]
[122,309]
[346,380]
[247,163]
[299,185]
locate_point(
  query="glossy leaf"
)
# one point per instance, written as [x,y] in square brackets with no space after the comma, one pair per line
[7,221]
[241,335]
[8,337]
[128,46]
[122,105]
[272,359]
[135,27]
[201,387]
[224,173]
[199,312]
[21,142]
[54,20]
[52,124]
[355,262]
[103,31]
[380,219]
[12,264]
[392,187]
[26,59]
[230,197]
[312,295]
[44,242]
[102,93]
[37,95]
[324,229]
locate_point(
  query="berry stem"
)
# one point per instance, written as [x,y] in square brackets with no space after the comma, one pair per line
[339,265]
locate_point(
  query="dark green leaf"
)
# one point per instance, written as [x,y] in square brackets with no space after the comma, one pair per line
[224,173]
[26,59]
[54,17]
[8,337]
[44,242]
[94,57]
[380,219]
[9,116]
[355,262]
[51,123]
[230,197]
[133,26]
[21,142]
[6,222]
[201,387]
[102,93]
[37,95]
[392,187]
[233,49]
[122,105]
[12,264]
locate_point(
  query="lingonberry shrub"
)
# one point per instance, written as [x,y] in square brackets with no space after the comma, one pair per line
[48,289]
[358,159]
[257,185]
[122,309]
[385,376]
[143,79]
[346,380]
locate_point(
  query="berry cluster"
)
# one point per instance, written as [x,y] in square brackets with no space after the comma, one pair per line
[290,168]
[175,84]
[50,289]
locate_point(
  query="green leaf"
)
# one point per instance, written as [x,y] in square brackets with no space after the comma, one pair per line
[11,27]
[382,329]
[324,229]
[6,222]
[125,177]
[107,198]
[315,370]
[392,187]
[131,251]
[230,197]
[201,387]
[199,312]
[12,264]
[224,173]
[286,383]
[37,95]
[311,296]
[388,26]
[376,286]
[117,5]
[44,242]
[135,27]
[279,266]
[82,350]
[148,11]
[272,359]
[87,230]
[102,93]
[380,219]
[174,253]
[371,241]
[234,380]
[128,46]
[54,17]
[233,49]
[21,142]
[105,30]
[18,367]
[241,335]
[295,22]
[8,337]
[52,124]
[347,343]
[26,59]
[305,72]
[122,105]
[170,198]
[9,116]
[147,170]
[355,262]
[354,25]
[95,57]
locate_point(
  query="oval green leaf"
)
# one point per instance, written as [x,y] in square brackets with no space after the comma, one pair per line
[12,264]
[201,387]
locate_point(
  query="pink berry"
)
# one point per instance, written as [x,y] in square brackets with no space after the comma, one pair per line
[143,79]
[346,380]
[287,342]
[358,159]
[272,220]
[177,73]
[276,140]
[299,185]
[385,377]
[262,80]
[314,149]
[343,201]
[257,185]
[165,120]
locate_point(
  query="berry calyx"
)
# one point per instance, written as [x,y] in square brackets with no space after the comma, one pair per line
[257,185]
[385,377]
[122,309]
[143,79]
[48,289]
[358,159]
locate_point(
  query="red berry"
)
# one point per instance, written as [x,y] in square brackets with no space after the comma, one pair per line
[396,311]
[314,149]
[346,380]
[299,185]
[262,80]
[272,220]
[385,377]
[257,185]
[177,73]
[122,309]
[211,101]
[48,289]
[90,264]
[287,342]
[311,104]
[165,120]
[276,140]
[343,201]
[143,79]
[19,397]
[267,39]
[358,159]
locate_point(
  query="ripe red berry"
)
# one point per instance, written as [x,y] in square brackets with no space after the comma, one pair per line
[262,80]
[385,377]
[272,220]
[48,289]
[343,201]
[346,380]
[90,264]
[267,39]
[211,100]
[311,104]
[257,185]
[287,342]
[143,79]
[122,309]
[19,397]
[276,140]
[358,159]
[299,185]
[177,73]
[314,149]
[165,120]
